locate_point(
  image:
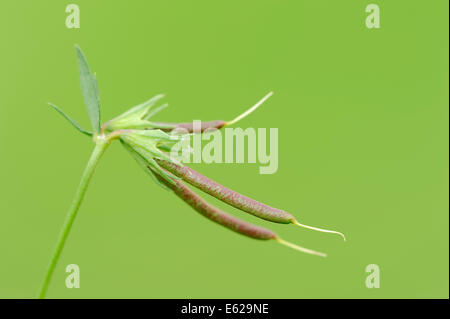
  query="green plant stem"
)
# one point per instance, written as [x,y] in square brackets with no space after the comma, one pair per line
[100,147]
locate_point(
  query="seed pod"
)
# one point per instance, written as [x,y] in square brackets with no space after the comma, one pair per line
[227,195]
[211,212]
[188,127]
[215,214]
[233,198]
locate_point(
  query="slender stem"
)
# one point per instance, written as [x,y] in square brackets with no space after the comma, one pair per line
[100,147]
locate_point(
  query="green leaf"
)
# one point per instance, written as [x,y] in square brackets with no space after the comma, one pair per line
[97,91]
[73,122]
[89,89]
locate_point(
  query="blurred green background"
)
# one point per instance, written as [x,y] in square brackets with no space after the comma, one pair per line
[363,147]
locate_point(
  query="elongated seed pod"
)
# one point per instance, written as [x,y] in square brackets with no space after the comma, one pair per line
[227,195]
[235,199]
[189,126]
[215,214]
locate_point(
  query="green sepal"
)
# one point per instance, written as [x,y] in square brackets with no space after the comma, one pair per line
[145,143]
[144,164]
[148,156]
[156,142]
[137,117]
[153,112]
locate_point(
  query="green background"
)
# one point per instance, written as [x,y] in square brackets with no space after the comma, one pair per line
[363,147]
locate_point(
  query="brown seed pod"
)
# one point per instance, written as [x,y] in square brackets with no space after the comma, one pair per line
[188,127]
[227,195]
[215,214]
[234,198]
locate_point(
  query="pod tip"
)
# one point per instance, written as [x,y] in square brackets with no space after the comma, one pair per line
[250,110]
[295,222]
[299,248]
